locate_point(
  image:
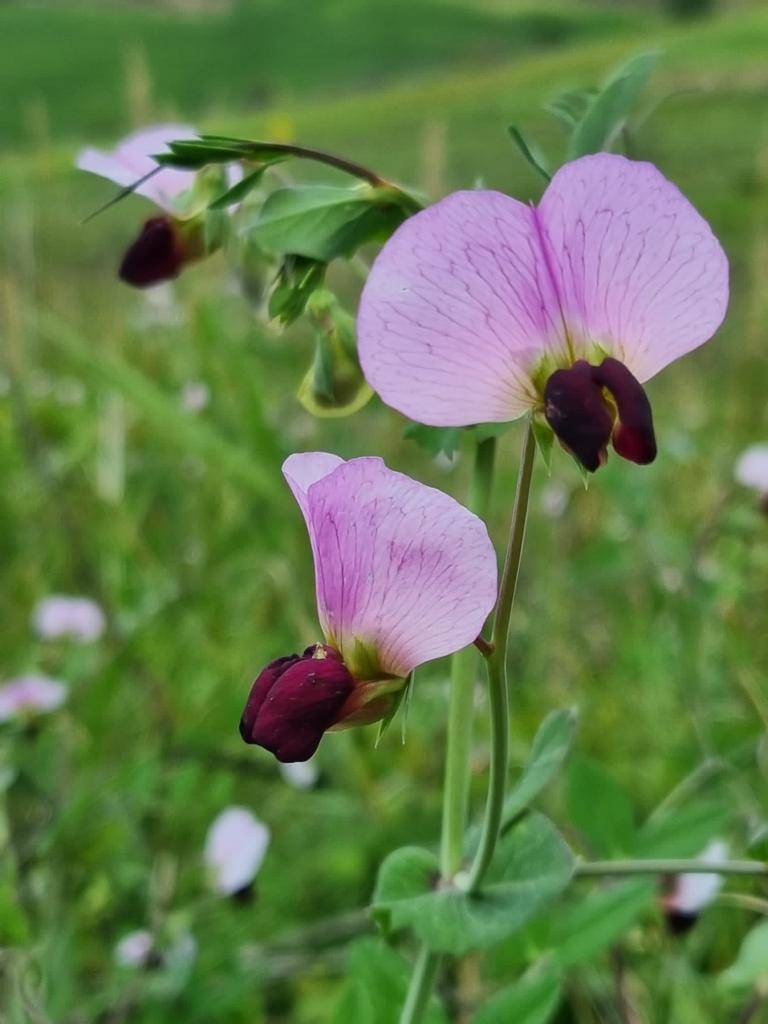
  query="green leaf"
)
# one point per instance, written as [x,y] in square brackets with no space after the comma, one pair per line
[545,440]
[750,969]
[532,866]
[297,278]
[571,106]
[435,440]
[609,109]
[600,809]
[533,155]
[551,746]
[239,191]
[377,983]
[533,999]
[402,700]
[603,916]
[323,222]
[684,832]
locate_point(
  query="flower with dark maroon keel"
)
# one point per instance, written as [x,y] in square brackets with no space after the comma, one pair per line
[481,308]
[404,574]
[172,238]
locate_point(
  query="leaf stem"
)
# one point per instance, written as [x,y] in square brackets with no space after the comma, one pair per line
[497,668]
[463,669]
[420,988]
[321,157]
[662,866]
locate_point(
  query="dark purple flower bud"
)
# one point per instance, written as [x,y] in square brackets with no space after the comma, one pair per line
[294,700]
[633,437]
[588,406]
[579,414]
[163,247]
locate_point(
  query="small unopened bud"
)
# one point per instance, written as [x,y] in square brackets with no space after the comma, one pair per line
[294,700]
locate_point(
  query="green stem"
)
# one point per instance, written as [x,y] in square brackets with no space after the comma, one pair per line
[662,866]
[497,669]
[460,709]
[420,988]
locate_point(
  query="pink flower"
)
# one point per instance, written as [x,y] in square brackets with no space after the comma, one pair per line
[30,695]
[135,948]
[235,848]
[481,308]
[78,618]
[132,159]
[752,469]
[403,574]
[690,893]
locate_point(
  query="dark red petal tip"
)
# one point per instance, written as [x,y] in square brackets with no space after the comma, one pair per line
[156,255]
[634,437]
[294,701]
[578,414]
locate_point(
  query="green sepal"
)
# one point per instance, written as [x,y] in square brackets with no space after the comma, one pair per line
[447,440]
[297,278]
[334,384]
[400,700]
[550,748]
[545,440]
[531,867]
[238,192]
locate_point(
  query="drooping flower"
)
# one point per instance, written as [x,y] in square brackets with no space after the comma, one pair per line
[752,471]
[171,239]
[30,695]
[481,308]
[690,893]
[76,618]
[235,848]
[404,574]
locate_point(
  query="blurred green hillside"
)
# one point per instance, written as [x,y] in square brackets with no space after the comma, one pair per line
[644,603]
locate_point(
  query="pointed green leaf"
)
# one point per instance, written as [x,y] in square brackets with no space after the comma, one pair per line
[532,866]
[609,109]
[239,191]
[297,278]
[434,440]
[533,155]
[570,107]
[323,222]
[533,999]
[551,746]
[545,439]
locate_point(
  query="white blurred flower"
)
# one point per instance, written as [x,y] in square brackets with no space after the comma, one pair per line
[235,848]
[133,949]
[30,695]
[752,468]
[160,307]
[195,396]
[554,499]
[692,892]
[78,618]
[131,159]
[301,774]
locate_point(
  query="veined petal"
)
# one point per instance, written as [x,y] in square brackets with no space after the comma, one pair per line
[458,307]
[404,573]
[132,159]
[638,270]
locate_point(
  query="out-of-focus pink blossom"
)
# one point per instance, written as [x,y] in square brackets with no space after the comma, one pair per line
[690,893]
[300,774]
[235,848]
[76,618]
[30,695]
[752,468]
[131,159]
[135,948]
[482,308]
[195,396]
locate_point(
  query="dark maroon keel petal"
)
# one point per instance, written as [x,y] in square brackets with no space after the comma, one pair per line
[634,437]
[156,255]
[292,704]
[578,414]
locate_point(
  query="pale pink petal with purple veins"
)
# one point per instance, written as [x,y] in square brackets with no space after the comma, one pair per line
[30,694]
[132,159]
[456,310]
[402,570]
[305,468]
[638,270]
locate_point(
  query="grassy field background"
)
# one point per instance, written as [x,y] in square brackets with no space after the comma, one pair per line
[644,602]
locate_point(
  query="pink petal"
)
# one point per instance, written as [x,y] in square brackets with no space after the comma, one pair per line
[30,695]
[457,306]
[401,568]
[235,848]
[638,269]
[131,160]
